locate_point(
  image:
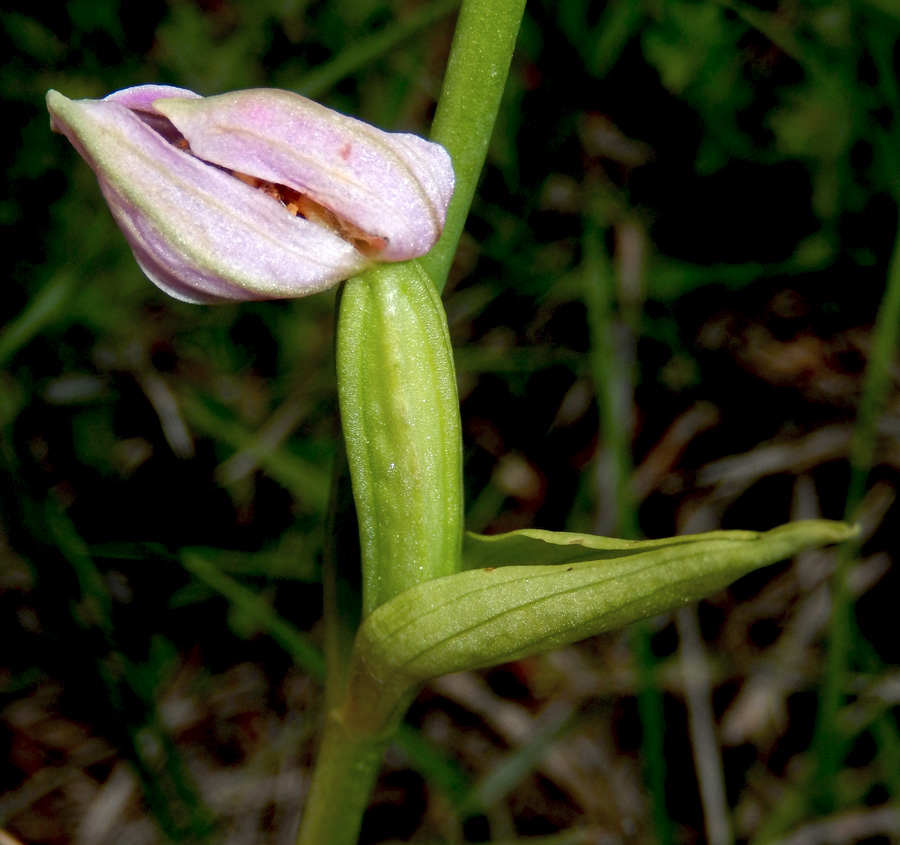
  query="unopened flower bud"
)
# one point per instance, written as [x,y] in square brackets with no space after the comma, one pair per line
[256,194]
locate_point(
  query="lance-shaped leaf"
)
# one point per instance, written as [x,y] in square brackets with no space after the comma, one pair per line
[491,615]
[256,194]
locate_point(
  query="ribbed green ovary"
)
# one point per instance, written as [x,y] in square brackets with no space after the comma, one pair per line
[400,415]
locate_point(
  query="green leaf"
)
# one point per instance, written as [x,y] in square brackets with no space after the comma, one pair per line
[565,587]
[400,416]
[553,548]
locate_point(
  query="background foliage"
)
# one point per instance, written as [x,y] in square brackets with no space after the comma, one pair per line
[662,315]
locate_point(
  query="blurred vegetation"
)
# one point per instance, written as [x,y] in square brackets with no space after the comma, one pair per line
[663,314]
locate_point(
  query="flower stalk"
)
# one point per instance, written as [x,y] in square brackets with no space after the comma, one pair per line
[347,765]
[467,110]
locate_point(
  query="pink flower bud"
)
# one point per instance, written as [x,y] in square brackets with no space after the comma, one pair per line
[256,194]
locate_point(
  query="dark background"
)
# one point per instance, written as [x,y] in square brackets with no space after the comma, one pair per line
[738,165]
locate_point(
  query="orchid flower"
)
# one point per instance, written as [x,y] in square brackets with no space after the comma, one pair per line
[261,194]
[256,194]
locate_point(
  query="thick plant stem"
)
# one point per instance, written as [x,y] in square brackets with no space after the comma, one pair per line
[349,756]
[470,99]
[345,772]
[473,87]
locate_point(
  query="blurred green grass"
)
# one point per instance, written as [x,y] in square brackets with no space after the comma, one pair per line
[738,168]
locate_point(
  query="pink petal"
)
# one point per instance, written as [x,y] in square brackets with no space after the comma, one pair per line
[197,232]
[395,187]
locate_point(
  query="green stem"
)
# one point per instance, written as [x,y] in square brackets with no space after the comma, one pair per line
[829,744]
[473,87]
[345,772]
[349,757]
